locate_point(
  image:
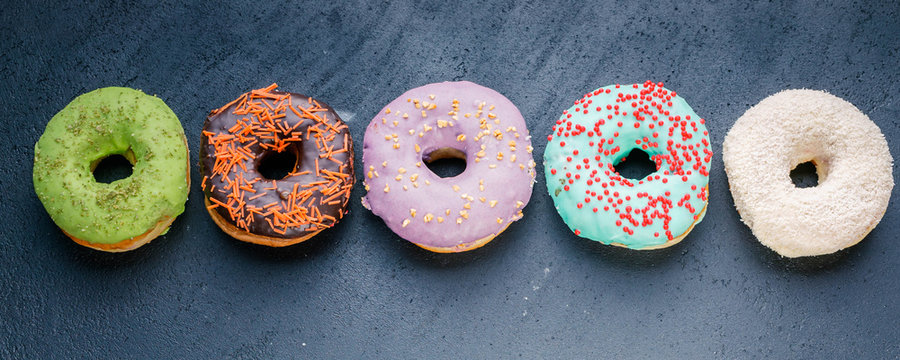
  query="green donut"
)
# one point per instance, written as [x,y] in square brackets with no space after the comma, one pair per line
[126,213]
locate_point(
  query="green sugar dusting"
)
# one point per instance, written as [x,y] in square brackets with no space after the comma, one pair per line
[98,124]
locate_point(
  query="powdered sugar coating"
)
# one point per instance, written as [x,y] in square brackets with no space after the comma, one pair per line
[448,213]
[852,161]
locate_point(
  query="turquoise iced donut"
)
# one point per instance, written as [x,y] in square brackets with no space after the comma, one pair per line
[596,133]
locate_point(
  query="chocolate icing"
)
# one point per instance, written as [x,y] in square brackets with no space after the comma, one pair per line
[314,165]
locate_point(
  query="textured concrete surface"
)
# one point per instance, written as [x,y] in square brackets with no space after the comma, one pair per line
[358,291]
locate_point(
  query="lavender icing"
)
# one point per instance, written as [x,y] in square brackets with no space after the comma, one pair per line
[448,213]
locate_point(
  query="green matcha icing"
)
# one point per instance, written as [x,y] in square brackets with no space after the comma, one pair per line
[602,128]
[105,122]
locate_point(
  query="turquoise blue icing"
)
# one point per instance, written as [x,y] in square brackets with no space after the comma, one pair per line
[683,175]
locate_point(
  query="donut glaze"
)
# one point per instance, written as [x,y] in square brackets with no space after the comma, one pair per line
[276,212]
[126,213]
[852,160]
[596,133]
[457,213]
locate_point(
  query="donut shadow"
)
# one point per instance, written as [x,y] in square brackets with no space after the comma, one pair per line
[806,264]
[155,249]
[628,258]
[97,259]
[312,247]
[617,256]
[428,258]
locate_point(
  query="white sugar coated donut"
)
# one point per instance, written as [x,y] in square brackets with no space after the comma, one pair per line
[852,161]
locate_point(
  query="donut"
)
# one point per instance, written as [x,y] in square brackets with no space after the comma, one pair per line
[264,123]
[597,133]
[852,160]
[127,213]
[450,119]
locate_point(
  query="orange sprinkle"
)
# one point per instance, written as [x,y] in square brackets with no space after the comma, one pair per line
[315,183]
[263,122]
[332,197]
[218,202]
[221,109]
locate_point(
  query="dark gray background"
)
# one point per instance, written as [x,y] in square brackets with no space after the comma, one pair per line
[360,291]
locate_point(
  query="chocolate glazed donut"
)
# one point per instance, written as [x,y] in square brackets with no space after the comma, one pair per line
[262,124]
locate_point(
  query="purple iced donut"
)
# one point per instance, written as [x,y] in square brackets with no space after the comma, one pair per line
[448,120]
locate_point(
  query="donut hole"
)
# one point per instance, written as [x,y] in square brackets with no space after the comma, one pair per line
[278,165]
[445,162]
[805,175]
[636,165]
[113,168]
